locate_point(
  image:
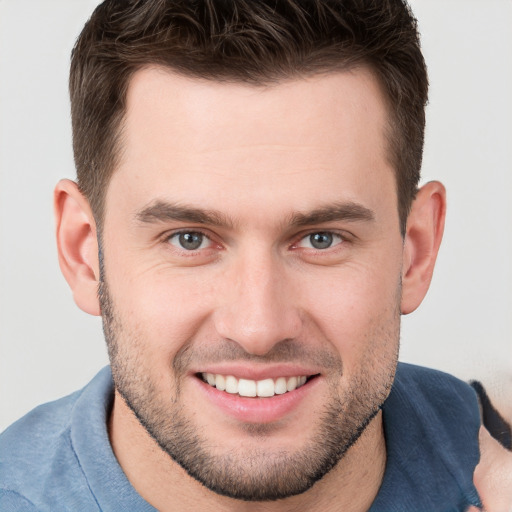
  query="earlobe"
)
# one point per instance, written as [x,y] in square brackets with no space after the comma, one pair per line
[425,226]
[77,245]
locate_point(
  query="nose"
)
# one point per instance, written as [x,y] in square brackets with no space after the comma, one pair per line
[259,307]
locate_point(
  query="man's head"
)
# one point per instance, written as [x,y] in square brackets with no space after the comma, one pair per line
[251,239]
[254,42]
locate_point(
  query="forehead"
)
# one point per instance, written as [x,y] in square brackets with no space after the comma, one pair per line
[294,111]
[201,141]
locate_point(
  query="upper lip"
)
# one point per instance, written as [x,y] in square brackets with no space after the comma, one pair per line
[251,372]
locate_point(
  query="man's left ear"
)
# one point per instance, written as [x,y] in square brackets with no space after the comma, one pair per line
[425,226]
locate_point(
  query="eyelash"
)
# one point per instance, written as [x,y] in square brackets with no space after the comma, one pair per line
[343,237]
[175,234]
[332,234]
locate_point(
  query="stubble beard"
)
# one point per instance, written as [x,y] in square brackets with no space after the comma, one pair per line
[252,474]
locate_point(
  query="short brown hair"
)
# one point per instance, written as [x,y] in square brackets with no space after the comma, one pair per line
[253,41]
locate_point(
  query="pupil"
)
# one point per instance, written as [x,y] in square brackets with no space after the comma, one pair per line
[321,240]
[191,241]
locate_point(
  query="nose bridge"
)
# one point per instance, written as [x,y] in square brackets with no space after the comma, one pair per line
[260,310]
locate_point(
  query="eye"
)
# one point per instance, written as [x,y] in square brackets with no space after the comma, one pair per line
[320,240]
[189,240]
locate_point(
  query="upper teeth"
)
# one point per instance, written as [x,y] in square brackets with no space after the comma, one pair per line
[252,388]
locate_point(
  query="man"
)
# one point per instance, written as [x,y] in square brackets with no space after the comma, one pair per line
[247,222]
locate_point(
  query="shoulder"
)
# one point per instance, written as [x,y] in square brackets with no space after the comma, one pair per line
[437,410]
[38,463]
[29,449]
[13,502]
[431,424]
[34,438]
[434,388]
[428,376]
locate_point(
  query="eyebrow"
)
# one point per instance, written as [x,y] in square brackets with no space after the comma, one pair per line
[349,211]
[162,211]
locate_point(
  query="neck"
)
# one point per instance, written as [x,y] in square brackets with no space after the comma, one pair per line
[351,486]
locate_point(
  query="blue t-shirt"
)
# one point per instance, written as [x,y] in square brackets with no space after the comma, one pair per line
[58,457]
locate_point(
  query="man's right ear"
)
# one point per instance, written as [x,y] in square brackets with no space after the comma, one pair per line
[77,245]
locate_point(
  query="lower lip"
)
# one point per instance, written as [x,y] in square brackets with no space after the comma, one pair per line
[257,410]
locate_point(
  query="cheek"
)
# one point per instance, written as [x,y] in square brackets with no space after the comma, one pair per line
[357,311]
[165,308]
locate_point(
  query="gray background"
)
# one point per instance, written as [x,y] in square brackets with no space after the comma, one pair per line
[49,348]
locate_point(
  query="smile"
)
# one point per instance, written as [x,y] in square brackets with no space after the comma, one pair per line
[270,396]
[254,388]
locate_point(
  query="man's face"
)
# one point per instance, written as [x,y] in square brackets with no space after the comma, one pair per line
[252,242]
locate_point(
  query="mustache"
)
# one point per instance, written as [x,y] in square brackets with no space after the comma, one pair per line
[285,351]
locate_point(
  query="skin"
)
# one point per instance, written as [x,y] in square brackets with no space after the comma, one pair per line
[493,475]
[264,159]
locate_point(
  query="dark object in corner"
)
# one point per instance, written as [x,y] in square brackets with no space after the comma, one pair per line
[491,418]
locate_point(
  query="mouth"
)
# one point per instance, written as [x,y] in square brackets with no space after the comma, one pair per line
[271,395]
[247,388]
